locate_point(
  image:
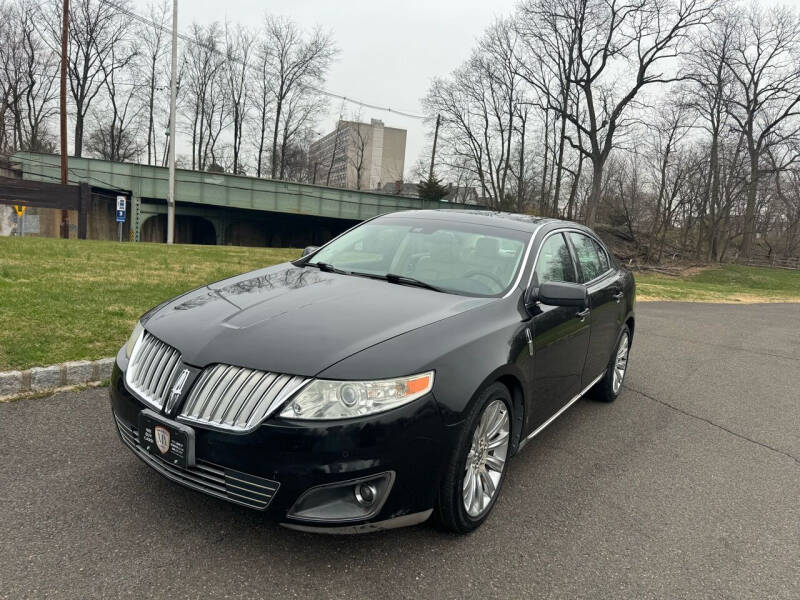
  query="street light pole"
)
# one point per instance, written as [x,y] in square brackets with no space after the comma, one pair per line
[172,129]
[63,108]
[433,152]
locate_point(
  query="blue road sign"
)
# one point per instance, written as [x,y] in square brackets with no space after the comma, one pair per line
[120,216]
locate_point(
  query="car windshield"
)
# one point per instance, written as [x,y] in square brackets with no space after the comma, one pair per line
[460,258]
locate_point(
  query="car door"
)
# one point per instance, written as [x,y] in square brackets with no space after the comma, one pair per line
[605,294]
[559,335]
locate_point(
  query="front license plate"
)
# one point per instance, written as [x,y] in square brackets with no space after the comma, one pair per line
[168,440]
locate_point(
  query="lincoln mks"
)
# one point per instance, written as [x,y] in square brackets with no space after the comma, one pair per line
[385,377]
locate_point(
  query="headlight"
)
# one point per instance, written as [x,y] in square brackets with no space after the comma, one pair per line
[137,332]
[323,399]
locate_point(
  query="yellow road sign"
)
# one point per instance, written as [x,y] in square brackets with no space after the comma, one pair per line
[20,210]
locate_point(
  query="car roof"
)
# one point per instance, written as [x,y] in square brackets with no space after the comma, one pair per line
[517,221]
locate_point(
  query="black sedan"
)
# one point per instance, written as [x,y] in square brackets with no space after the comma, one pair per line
[384,377]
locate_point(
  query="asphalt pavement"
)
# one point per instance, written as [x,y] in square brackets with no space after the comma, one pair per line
[687,487]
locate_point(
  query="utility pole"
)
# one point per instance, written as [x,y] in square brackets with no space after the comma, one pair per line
[173,85]
[435,139]
[63,109]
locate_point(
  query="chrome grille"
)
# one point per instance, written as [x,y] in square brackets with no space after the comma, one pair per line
[152,366]
[237,399]
[215,480]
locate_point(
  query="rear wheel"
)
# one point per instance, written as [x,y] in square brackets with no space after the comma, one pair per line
[609,387]
[472,482]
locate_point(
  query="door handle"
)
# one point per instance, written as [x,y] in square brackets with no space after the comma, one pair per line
[619,296]
[583,314]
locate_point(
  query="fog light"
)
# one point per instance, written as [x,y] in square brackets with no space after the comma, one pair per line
[365,493]
[348,500]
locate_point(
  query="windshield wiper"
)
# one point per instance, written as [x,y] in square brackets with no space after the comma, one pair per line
[327,267]
[390,277]
[405,280]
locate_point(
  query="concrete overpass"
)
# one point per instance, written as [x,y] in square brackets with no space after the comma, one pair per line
[217,207]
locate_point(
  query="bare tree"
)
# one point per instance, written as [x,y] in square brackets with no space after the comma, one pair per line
[262,101]
[765,65]
[707,68]
[297,64]
[115,137]
[96,28]
[339,141]
[479,105]
[610,38]
[10,76]
[358,155]
[204,64]
[671,166]
[238,55]
[154,50]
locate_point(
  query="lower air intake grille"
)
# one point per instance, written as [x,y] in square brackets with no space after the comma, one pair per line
[235,486]
[237,399]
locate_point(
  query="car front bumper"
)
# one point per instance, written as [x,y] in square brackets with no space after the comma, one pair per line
[271,467]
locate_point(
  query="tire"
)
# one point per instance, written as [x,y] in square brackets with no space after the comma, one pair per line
[474,459]
[610,386]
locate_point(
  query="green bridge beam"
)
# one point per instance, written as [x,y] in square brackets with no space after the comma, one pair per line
[222,189]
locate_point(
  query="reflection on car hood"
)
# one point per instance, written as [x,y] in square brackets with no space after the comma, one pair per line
[295,320]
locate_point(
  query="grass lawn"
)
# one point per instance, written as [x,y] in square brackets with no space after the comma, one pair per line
[727,283]
[69,300]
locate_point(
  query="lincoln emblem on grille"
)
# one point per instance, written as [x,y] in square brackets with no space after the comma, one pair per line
[177,390]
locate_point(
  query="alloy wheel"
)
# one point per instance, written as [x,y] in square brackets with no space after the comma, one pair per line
[620,363]
[486,459]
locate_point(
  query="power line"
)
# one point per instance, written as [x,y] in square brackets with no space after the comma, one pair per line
[196,42]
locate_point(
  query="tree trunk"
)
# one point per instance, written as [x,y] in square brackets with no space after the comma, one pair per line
[78,133]
[559,164]
[750,209]
[278,110]
[521,175]
[544,202]
[590,213]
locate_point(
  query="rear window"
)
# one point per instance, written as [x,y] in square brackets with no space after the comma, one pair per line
[591,257]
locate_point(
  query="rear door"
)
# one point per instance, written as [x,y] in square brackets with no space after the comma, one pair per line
[604,286]
[559,335]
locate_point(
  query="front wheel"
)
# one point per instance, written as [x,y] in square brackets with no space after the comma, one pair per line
[609,387]
[474,475]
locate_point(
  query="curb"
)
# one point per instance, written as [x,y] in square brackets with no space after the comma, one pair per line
[40,380]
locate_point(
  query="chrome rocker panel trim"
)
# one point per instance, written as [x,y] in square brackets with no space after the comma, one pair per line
[541,427]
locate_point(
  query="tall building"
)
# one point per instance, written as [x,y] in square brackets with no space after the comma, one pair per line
[361,156]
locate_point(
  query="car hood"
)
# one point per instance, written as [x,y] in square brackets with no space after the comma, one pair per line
[295,320]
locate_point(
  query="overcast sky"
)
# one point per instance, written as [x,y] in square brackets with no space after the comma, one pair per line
[389,50]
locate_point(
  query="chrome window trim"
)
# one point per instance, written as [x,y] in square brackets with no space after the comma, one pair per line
[524,264]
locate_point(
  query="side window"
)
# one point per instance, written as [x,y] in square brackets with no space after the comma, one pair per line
[554,262]
[587,252]
[601,253]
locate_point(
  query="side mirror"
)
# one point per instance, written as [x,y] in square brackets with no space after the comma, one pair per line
[309,250]
[559,293]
